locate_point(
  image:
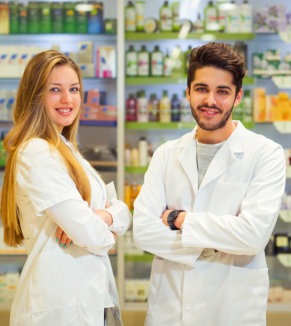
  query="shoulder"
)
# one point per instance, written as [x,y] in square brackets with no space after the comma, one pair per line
[174,145]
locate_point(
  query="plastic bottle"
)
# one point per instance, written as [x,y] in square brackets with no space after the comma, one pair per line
[165,107]
[57,17]
[175,108]
[131,108]
[130,17]
[198,24]
[165,18]
[23,18]
[95,18]
[131,62]
[210,18]
[127,195]
[142,107]
[232,22]
[175,16]
[153,108]
[33,17]
[222,8]
[178,62]
[187,58]
[247,106]
[13,17]
[69,17]
[246,17]
[167,65]
[143,58]
[185,110]
[143,151]
[157,62]
[2,151]
[81,19]
[139,10]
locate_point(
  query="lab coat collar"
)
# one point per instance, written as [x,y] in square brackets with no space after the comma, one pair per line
[231,150]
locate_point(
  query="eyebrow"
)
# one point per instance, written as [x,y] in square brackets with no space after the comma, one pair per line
[60,84]
[205,85]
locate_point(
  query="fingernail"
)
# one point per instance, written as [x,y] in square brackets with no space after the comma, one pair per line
[58,239]
[61,244]
[71,243]
[65,246]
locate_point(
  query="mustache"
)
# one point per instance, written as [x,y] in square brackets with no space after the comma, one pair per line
[209,107]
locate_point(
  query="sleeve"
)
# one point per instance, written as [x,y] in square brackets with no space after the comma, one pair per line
[249,232]
[150,234]
[43,176]
[121,217]
[82,226]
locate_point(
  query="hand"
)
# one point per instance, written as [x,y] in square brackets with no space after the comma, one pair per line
[62,238]
[179,220]
[165,216]
[104,215]
[115,235]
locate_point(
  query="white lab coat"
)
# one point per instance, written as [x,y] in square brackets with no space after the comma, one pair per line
[63,286]
[234,211]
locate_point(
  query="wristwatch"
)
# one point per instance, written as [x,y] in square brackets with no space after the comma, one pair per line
[172,218]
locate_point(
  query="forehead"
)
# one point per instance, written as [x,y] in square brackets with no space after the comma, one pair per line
[213,77]
[63,74]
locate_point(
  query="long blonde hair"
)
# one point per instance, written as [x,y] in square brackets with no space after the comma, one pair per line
[31,120]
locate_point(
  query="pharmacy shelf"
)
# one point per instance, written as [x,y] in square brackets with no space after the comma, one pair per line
[136,169]
[145,258]
[159,125]
[171,80]
[279,307]
[285,216]
[133,36]
[98,123]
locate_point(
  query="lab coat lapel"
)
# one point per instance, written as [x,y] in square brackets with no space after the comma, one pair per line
[187,160]
[230,151]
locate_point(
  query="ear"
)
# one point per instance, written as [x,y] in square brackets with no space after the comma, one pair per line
[188,94]
[238,98]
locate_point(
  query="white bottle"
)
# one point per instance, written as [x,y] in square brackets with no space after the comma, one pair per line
[232,22]
[185,110]
[157,62]
[142,107]
[143,151]
[165,108]
[130,17]
[246,17]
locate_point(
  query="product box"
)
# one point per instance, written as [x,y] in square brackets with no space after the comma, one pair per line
[106,62]
[87,69]
[94,100]
[277,18]
[259,105]
[4,18]
[261,20]
[85,52]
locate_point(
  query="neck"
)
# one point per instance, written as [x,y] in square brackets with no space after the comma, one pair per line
[215,136]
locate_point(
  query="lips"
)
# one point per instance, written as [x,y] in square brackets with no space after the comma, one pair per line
[65,110]
[208,111]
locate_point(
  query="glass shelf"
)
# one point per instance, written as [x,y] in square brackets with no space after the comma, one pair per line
[135,36]
[98,123]
[171,80]
[145,258]
[159,125]
[136,169]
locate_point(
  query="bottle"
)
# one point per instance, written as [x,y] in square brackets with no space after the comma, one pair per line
[142,107]
[95,18]
[157,62]
[57,17]
[33,17]
[222,8]
[130,17]
[134,192]
[153,108]
[210,18]
[165,18]
[246,17]
[178,62]
[2,150]
[247,106]
[69,17]
[81,19]
[131,62]
[232,22]
[198,24]
[185,110]
[23,18]
[187,58]
[134,157]
[165,107]
[175,16]
[175,108]
[143,59]
[45,18]
[143,151]
[131,108]
[139,10]
[127,154]
[127,195]
[13,17]
[167,65]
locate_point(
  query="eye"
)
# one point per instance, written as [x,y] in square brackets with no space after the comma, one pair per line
[54,90]
[223,91]
[201,89]
[74,90]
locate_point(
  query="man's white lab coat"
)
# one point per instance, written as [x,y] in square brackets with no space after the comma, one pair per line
[234,211]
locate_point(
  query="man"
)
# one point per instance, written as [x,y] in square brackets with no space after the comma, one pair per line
[208,206]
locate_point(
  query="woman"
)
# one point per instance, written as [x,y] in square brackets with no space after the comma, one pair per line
[48,187]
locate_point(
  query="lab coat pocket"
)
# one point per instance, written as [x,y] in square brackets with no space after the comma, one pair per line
[53,281]
[248,295]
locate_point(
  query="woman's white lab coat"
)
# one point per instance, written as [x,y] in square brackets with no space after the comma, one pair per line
[63,286]
[234,211]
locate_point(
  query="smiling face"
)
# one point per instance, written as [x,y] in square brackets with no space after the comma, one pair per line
[212,98]
[63,98]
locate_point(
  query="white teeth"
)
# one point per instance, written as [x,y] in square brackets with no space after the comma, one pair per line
[64,111]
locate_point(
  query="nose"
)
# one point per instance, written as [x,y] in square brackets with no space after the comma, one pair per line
[66,96]
[210,99]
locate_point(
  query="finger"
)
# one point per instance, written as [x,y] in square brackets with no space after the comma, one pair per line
[108,204]
[63,239]
[68,243]
[59,233]
[115,236]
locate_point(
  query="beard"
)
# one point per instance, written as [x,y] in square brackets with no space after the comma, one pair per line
[210,126]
